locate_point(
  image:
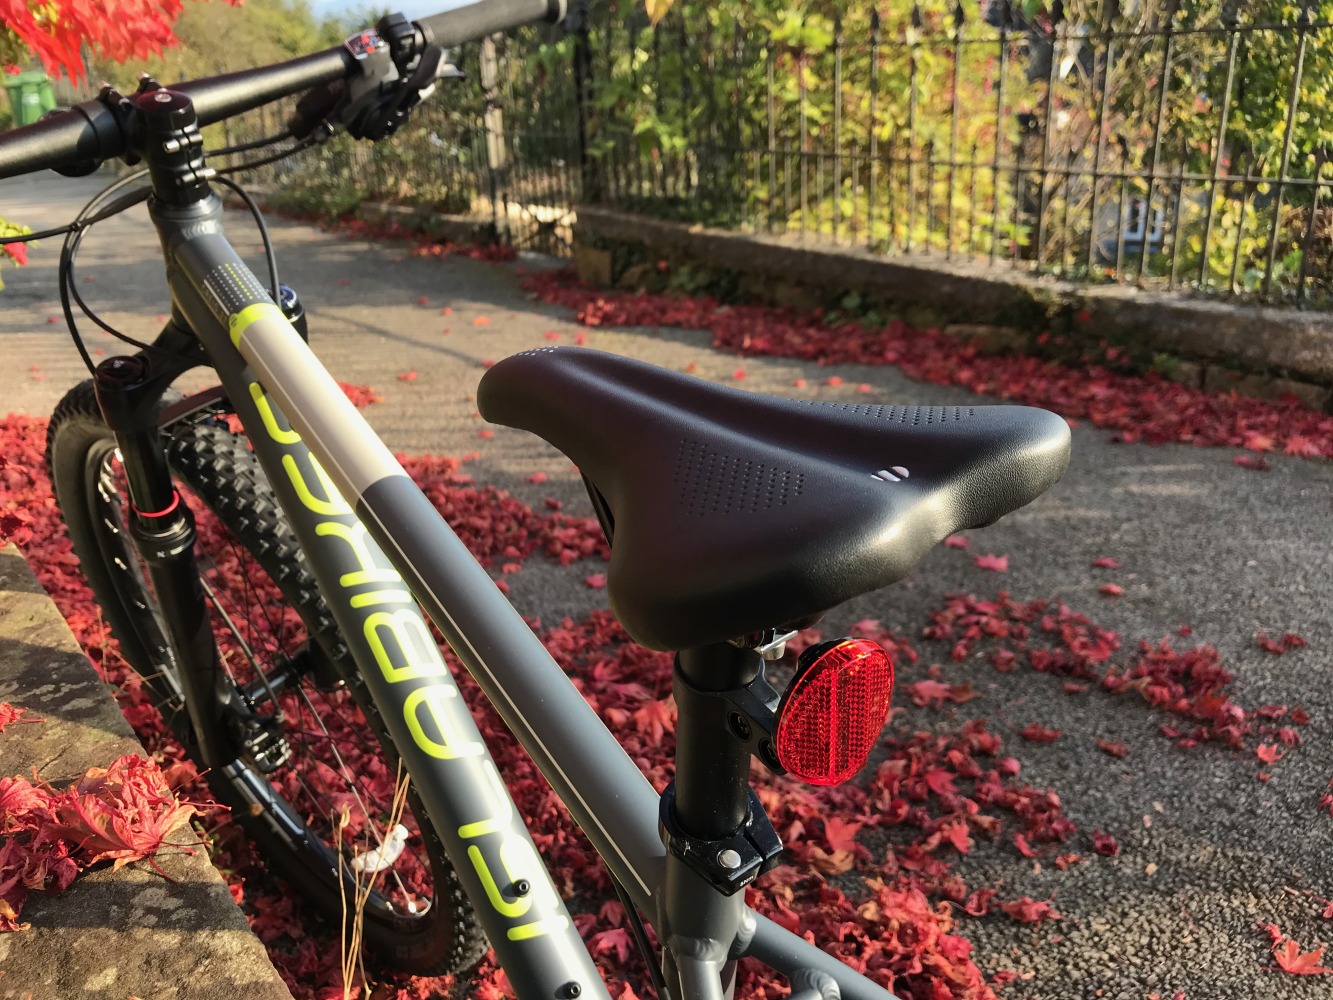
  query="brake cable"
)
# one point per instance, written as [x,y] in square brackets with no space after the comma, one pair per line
[93,213]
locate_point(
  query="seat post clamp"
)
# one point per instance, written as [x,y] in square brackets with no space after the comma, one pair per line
[728,864]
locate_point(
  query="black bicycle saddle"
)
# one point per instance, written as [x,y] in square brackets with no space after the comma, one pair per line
[734,512]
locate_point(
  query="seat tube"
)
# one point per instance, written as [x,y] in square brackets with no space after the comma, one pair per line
[712,765]
[711,802]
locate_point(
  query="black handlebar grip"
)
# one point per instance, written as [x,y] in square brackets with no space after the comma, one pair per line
[85,132]
[477,20]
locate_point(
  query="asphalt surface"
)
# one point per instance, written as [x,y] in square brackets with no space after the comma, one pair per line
[1202,542]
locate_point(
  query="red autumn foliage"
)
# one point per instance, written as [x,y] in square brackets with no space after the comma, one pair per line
[1105,844]
[9,715]
[932,795]
[1291,959]
[123,813]
[1051,638]
[1116,748]
[1029,911]
[1278,646]
[1037,733]
[1138,407]
[117,29]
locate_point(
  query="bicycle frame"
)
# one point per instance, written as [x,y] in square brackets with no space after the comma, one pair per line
[377,548]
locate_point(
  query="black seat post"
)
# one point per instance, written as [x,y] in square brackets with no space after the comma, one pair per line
[712,764]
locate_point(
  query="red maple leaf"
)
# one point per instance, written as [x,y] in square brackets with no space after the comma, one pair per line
[1111,589]
[956,542]
[927,693]
[1027,910]
[1116,748]
[655,719]
[841,834]
[1105,844]
[615,942]
[1255,463]
[1291,959]
[1038,733]
[1268,753]
[410,376]
[1288,642]
[1106,562]
[9,715]
[124,812]
[994,563]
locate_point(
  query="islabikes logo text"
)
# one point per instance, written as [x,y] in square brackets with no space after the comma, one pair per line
[439,723]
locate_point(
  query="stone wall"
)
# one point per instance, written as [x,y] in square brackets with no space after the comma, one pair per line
[1218,346]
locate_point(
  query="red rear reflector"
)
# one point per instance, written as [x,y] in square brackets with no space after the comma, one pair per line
[834,709]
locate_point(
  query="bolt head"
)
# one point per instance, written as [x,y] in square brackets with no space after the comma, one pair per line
[729,859]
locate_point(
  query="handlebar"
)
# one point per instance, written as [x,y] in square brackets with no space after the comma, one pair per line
[91,131]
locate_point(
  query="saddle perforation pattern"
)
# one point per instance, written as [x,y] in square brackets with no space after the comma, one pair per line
[914,415]
[713,482]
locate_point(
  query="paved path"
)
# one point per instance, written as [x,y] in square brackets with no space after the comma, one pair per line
[1202,542]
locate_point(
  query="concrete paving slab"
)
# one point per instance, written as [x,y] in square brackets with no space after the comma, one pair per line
[136,932]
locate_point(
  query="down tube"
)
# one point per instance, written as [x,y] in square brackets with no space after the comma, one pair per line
[464,797]
[607,794]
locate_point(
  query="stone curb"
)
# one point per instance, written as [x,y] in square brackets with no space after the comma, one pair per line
[112,934]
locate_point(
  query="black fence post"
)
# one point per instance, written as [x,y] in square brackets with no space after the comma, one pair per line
[577,21]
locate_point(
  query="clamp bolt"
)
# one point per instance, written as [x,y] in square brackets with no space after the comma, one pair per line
[729,859]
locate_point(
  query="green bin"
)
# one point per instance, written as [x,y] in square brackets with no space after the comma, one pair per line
[30,95]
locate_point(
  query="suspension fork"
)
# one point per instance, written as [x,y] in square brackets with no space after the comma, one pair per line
[129,390]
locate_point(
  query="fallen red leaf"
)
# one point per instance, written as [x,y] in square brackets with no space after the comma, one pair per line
[1111,589]
[9,715]
[994,563]
[1105,844]
[1255,463]
[1291,959]
[1029,911]
[1116,748]
[123,812]
[1037,733]
[1106,562]
[932,693]
[407,376]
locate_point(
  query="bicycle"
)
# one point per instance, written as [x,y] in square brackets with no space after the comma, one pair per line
[735,520]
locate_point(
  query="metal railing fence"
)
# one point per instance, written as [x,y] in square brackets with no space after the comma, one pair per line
[1163,143]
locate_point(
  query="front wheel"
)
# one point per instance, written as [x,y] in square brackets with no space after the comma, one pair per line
[315,771]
